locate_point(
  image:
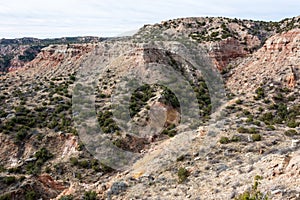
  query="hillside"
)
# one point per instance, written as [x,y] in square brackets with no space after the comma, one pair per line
[190,108]
[16,53]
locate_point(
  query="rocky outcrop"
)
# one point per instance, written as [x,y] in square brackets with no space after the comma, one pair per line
[9,152]
[292,78]
[225,51]
[14,57]
[16,53]
[48,182]
[55,55]
[276,62]
[220,158]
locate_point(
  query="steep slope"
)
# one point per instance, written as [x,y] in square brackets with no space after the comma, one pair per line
[255,141]
[16,53]
[277,63]
[13,57]
[254,134]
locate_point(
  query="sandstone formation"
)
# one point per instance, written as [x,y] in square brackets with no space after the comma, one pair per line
[249,144]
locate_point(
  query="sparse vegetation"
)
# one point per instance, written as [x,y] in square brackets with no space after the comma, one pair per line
[180,158]
[90,195]
[107,124]
[260,93]
[139,98]
[170,131]
[271,127]
[5,197]
[239,101]
[254,193]
[224,140]
[30,195]
[182,174]
[291,132]
[256,137]
[242,130]
[39,137]
[41,156]
[66,197]
[9,180]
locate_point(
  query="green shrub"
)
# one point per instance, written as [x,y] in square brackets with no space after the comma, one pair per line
[72,78]
[291,98]
[290,132]
[182,174]
[257,123]
[14,170]
[278,97]
[5,197]
[231,107]
[139,98]
[2,168]
[260,93]
[254,193]
[48,170]
[242,130]
[80,146]
[66,197]
[105,168]
[84,164]
[30,195]
[172,133]
[169,98]
[246,112]
[214,34]
[271,127]
[2,114]
[249,119]
[267,101]
[224,140]
[90,195]
[180,158]
[170,130]
[9,180]
[21,135]
[43,154]
[267,118]
[74,161]
[102,96]
[256,137]
[235,138]
[95,165]
[252,130]
[107,124]
[31,168]
[292,123]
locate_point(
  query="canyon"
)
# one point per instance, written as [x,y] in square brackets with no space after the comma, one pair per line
[190,108]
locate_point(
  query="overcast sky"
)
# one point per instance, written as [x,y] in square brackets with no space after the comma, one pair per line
[59,18]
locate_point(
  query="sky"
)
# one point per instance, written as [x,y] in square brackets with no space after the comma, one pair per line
[107,18]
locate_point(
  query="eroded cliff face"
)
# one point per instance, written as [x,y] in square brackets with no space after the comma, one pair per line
[59,59]
[224,39]
[242,44]
[16,53]
[14,57]
[276,62]
[225,51]
[36,113]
